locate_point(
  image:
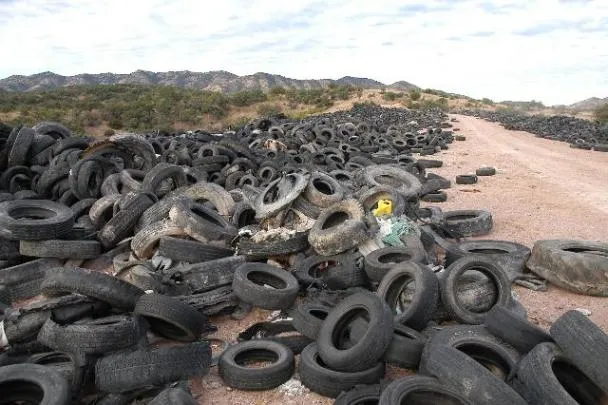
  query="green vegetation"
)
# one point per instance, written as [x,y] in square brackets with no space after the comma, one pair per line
[524,105]
[601,113]
[390,96]
[415,95]
[139,107]
[487,101]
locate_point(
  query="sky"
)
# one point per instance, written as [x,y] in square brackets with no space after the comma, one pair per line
[548,50]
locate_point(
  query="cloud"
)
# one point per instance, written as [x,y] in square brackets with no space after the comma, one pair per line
[514,49]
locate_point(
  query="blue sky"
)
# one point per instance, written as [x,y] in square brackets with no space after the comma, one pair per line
[554,51]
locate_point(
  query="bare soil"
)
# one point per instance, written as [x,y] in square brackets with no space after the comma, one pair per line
[543,189]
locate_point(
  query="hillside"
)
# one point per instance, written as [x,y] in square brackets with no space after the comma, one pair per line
[221,81]
[96,109]
[589,104]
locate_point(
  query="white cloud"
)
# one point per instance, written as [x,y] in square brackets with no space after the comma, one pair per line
[513,49]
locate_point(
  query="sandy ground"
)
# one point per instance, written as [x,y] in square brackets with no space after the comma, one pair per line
[543,189]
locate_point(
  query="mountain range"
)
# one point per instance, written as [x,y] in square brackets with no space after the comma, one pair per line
[214,81]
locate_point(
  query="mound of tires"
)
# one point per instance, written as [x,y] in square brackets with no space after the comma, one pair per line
[579,133]
[129,251]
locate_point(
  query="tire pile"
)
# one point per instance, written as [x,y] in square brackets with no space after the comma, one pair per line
[579,133]
[134,242]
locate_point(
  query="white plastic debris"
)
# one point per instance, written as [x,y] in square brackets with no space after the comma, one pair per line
[293,388]
[583,311]
[3,338]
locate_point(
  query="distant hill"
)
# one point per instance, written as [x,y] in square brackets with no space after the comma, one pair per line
[220,80]
[589,104]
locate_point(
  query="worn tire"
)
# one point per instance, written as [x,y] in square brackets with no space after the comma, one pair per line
[463,374]
[546,376]
[121,372]
[171,318]
[370,348]
[381,261]
[173,396]
[315,375]
[250,278]
[190,251]
[466,179]
[53,220]
[468,222]
[103,287]
[421,390]
[509,255]
[579,266]
[308,317]
[33,383]
[515,329]
[200,222]
[237,375]
[481,345]
[449,288]
[425,296]
[339,228]
[485,171]
[61,249]
[95,336]
[585,344]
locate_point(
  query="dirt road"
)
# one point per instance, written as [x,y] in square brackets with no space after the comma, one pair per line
[543,189]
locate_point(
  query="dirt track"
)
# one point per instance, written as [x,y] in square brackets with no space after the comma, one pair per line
[543,189]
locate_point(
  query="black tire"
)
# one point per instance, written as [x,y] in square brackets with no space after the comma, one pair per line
[464,375]
[52,221]
[360,395]
[585,344]
[173,396]
[209,275]
[370,347]
[200,222]
[369,199]
[482,346]
[161,172]
[485,171]
[95,336]
[24,328]
[103,287]
[578,266]
[515,329]
[547,376]
[339,228]
[121,225]
[421,390]
[33,383]
[449,288]
[249,286]
[509,255]
[308,317]
[121,372]
[439,196]
[190,250]
[466,179]
[232,365]
[61,249]
[18,152]
[423,301]
[315,375]
[468,222]
[381,261]
[405,348]
[25,280]
[336,272]
[171,318]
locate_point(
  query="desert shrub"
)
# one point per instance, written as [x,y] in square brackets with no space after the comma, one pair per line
[415,95]
[268,109]
[601,113]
